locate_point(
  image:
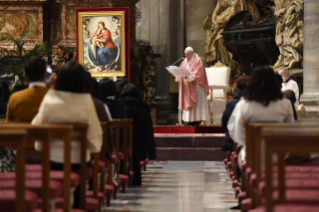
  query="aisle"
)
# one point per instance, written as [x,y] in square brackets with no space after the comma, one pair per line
[179,186]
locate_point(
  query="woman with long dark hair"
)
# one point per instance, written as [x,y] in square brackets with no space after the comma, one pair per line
[262,101]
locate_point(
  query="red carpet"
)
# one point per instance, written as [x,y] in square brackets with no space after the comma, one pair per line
[187,129]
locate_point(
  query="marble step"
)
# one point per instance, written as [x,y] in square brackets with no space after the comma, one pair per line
[190,154]
[189,140]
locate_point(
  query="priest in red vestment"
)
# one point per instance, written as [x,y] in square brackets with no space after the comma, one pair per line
[194,89]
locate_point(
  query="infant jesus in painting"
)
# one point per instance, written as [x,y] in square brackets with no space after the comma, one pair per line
[98,35]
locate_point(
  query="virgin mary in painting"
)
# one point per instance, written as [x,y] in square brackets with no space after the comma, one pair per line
[102,52]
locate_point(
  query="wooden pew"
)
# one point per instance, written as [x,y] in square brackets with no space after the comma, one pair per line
[106,187]
[130,146]
[253,153]
[44,134]
[16,139]
[113,174]
[63,132]
[281,141]
[125,124]
[110,171]
[79,132]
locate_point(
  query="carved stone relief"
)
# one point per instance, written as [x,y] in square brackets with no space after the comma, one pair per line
[289,33]
[143,71]
[214,25]
[16,19]
[289,30]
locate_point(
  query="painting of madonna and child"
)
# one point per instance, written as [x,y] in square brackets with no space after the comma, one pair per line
[101,44]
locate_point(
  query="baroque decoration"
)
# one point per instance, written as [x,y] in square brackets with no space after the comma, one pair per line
[289,33]
[143,69]
[245,33]
[214,25]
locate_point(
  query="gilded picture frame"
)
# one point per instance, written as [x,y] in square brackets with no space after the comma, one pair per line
[102,42]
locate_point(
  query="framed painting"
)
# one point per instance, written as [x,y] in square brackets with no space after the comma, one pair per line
[103,41]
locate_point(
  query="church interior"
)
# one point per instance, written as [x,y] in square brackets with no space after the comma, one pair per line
[159,105]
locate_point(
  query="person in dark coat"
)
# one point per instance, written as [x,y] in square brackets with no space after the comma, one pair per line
[143,135]
[109,95]
[6,90]
[3,104]
[241,85]
[120,85]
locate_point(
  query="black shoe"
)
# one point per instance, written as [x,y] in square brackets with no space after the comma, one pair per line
[238,207]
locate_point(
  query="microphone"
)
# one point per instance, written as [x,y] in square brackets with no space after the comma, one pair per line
[178,61]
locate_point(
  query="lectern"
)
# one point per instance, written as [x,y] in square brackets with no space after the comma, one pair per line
[178,73]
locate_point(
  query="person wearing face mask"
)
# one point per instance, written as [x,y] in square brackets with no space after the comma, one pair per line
[288,83]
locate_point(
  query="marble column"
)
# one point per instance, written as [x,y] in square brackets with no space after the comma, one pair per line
[310,95]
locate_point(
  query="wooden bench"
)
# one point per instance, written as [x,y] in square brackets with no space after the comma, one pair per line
[280,141]
[44,134]
[16,139]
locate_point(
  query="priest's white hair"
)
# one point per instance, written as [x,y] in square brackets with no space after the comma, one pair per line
[284,71]
[189,49]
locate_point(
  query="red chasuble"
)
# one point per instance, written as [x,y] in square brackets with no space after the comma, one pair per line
[189,89]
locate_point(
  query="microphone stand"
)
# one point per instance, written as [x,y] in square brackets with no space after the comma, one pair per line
[178,60]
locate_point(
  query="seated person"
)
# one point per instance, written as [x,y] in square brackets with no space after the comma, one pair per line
[6,90]
[110,98]
[70,103]
[241,85]
[143,135]
[300,109]
[24,105]
[3,104]
[102,113]
[262,101]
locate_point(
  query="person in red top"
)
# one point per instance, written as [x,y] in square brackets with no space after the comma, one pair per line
[103,51]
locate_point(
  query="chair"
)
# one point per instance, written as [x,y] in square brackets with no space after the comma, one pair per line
[218,81]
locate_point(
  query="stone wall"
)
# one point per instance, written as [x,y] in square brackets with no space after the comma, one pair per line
[159,27]
[196,12]
[162,24]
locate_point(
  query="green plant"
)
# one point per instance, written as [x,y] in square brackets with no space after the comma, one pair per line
[11,60]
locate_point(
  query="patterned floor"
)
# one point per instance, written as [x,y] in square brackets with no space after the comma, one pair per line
[179,186]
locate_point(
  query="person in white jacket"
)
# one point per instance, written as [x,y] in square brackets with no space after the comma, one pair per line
[262,102]
[69,104]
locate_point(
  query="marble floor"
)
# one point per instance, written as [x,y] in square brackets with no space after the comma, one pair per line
[179,186]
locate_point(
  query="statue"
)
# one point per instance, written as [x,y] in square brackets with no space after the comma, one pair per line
[214,45]
[289,33]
